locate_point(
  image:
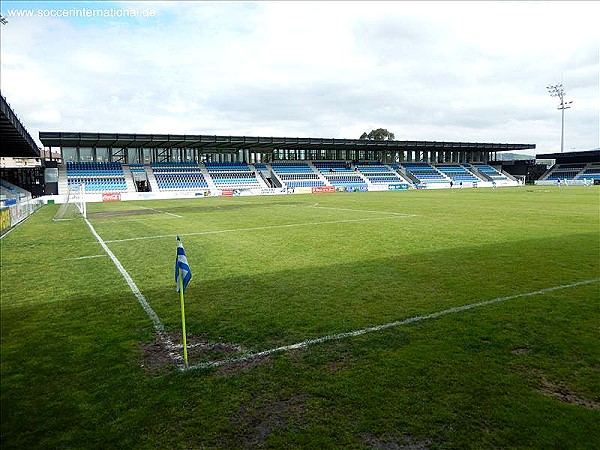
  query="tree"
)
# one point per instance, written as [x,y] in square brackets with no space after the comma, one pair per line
[380,134]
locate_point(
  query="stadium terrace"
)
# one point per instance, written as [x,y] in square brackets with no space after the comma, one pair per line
[192,165]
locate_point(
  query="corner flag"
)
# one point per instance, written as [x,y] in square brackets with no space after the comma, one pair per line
[182,264]
[183,275]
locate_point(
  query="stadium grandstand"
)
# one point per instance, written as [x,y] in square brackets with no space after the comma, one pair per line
[21,170]
[127,164]
[571,168]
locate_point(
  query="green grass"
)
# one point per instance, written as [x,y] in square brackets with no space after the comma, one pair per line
[272,271]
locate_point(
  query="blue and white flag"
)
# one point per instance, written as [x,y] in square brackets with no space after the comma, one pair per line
[182,264]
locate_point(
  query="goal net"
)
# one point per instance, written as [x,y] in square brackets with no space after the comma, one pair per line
[74,206]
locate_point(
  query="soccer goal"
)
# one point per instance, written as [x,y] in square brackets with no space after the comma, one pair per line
[74,206]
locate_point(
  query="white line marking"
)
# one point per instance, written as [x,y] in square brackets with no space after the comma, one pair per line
[209,346]
[158,326]
[340,336]
[162,212]
[102,222]
[16,225]
[10,230]
[85,257]
[269,227]
[362,210]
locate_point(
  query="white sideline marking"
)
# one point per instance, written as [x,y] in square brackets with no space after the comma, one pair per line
[16,225]
[6,234]
[162,212]
[350,334]
[85,257]
[158,326]
[269,227]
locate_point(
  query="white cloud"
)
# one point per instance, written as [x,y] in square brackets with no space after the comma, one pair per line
[424,70]
[49,116]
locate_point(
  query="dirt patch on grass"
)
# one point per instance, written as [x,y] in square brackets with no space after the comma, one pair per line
[519,350]
[387,442]
[336,366]
[156,358]
[563,394]
[133,212]
[256,420]
[166,352]
[232,368]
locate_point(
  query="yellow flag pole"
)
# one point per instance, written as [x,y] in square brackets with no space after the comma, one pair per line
[185,357]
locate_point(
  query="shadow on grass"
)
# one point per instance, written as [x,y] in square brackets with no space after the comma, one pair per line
[288,306]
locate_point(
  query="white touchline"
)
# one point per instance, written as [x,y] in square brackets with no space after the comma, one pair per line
[350,334]
[170,346]
[158,326]
[15,226]
[268,227]
[6,234]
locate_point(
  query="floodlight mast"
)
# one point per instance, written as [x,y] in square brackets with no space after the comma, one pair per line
[556,90]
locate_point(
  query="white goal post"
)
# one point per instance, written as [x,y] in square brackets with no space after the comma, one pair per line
[74,206]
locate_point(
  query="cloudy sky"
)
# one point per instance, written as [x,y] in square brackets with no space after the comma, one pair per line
[447,71]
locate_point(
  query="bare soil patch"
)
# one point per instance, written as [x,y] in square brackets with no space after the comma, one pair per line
[519,350]
[563,394]
[257,419]
[159,357]
[133,212]
[387,442]
[232,368]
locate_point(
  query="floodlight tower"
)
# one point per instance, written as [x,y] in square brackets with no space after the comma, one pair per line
[556,90]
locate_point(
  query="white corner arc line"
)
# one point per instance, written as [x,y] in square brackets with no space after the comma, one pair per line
[350,334]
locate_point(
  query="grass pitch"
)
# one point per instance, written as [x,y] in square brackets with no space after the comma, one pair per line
[80,365]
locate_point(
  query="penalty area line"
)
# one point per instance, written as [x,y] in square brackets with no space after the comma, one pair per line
[371,211]
[316,205]
[336,337]
[268,227]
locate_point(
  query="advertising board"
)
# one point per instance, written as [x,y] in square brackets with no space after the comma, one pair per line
[111,197]
[323,189]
